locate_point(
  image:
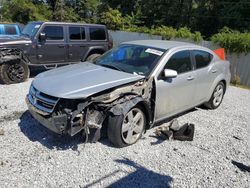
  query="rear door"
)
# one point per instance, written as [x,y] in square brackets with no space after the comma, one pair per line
[206,72]
[53,50]
[174,95]
[77,43]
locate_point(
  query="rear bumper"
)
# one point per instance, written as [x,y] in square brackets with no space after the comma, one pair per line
[57,124]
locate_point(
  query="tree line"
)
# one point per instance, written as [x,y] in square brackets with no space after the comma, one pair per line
[205,16]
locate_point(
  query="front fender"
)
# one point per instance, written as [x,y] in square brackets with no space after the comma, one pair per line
[123,108]
[11,54]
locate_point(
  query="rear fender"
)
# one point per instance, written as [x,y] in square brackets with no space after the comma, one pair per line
[218,79]
[93,50]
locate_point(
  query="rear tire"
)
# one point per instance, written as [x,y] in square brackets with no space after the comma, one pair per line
[93,57]
[14,72]
[217,96]
[126,130]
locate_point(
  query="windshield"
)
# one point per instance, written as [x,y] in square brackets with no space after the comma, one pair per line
[133,59]
[30,29]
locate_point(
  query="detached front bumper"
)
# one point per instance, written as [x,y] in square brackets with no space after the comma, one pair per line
[57,124]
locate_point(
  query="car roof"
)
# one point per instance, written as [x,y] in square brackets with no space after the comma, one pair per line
[163,44]
[67,23]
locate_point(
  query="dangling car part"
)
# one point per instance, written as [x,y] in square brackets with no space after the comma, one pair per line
[128,90]
[174,131]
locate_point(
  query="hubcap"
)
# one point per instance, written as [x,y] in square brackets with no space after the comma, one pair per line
[16,72]
[218,95]
[132,126]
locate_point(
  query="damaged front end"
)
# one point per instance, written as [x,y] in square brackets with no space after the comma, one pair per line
[71,116]
[11,54]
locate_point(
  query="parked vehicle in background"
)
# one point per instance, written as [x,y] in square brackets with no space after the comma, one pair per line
[9,30]
[50,44]
[133,86]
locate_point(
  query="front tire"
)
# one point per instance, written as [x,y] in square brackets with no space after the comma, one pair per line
[217,96]
[14,72]
[126,130]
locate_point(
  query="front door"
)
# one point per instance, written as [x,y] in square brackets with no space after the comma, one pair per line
[54,49]
[174,95]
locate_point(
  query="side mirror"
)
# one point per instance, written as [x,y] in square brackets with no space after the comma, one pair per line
[42,37]
[169,73]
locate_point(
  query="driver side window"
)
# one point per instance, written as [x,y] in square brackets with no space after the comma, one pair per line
[180,62]
[53,32]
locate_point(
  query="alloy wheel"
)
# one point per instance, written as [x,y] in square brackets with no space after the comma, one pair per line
[133,125]
[16,72]
[218,95]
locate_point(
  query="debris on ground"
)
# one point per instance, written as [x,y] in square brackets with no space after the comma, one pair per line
[173,131]
[1,131]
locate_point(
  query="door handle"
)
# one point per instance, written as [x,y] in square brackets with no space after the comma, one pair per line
[214,70]
[190,78]
[61,45]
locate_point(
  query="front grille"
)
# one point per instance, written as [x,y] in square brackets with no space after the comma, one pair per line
[42,101]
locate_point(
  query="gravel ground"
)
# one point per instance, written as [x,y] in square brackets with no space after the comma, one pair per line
[219,156]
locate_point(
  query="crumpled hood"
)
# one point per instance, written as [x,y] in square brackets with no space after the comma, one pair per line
[80,80]
[13,40]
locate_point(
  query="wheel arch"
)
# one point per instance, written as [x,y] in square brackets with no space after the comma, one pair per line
[147,112]
[219,79]
[8,55]
[225,85]
[123,108]
[93,50]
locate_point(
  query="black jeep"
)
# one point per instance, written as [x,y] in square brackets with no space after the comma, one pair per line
[50,44]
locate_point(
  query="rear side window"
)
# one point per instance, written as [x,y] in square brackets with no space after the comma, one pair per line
[202,58]
[180,62]
[97,33]
[76,33]
[10,30]
[53,32]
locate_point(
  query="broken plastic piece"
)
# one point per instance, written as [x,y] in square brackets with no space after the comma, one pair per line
[174,125]
[185,133]
[175,131]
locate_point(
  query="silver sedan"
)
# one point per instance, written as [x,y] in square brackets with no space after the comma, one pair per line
[128,89]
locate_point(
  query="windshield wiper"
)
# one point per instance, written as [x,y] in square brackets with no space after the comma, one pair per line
[112,67]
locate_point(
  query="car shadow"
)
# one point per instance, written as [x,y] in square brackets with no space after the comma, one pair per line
[34,71]
[141,177]
[37,133]
[241,166]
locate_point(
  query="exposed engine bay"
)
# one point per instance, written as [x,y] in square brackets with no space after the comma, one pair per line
[73,116]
